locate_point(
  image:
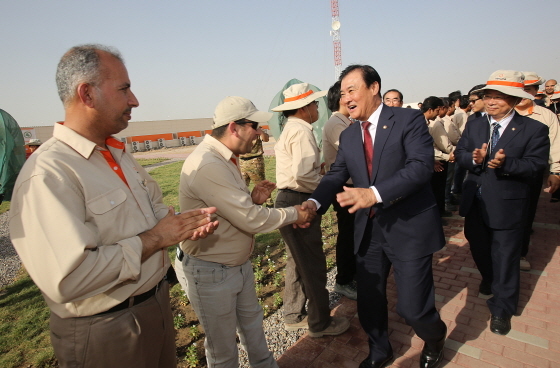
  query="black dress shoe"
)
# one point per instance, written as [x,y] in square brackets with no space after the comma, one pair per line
[432,354]
[375,364]
[499,325]
[485,288]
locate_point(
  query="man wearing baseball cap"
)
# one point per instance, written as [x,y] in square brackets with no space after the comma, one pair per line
[530,109]
[298,172]
[503,151]
[216,273]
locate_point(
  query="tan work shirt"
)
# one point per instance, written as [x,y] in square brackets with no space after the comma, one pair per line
[442,144]
[74,224]
[210,179]
[460,119]
[331,137]
[298,162]
[549,119]
[453,132]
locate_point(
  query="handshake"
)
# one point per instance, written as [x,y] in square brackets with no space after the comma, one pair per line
[306,213]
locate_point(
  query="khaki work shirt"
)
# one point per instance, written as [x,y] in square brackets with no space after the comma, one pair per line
[442,144]
[74,224]
[210,179]
[298,162]
[453,132]
[460,119]
[549,119]
[331,137]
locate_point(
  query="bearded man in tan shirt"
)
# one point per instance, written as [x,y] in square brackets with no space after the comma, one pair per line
[216,272]
[91,229]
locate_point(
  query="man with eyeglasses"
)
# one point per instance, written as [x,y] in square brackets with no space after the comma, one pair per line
[503,152]
[393,98]
[528,108]
[298,173]
[216,273]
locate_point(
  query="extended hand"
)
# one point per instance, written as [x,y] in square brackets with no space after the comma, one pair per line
[262,191]
[172,229]
[498,159]
[357,198]
[479,154]
[305,216]
[553,183]
[452,157]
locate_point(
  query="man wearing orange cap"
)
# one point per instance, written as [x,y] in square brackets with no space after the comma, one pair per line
[503,152]
[530,109]
[298,172]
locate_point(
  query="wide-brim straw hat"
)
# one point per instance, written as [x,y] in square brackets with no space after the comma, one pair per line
[509,82]
[556,94]
[532,79]
[298,95]
[34,142]
[233,108]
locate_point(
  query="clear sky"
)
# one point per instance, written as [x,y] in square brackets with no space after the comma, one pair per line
[184,56]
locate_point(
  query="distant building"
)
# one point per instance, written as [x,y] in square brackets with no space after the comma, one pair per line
[146,135]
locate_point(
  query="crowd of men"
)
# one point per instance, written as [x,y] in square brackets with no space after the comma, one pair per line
[90,226]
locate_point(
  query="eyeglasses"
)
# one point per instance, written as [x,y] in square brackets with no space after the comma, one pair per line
[473,101]
[254,124]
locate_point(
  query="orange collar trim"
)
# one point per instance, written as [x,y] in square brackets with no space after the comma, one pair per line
[303,95]
[115,143]
[502,83]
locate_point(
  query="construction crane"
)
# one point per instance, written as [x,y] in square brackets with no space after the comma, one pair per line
[335,33]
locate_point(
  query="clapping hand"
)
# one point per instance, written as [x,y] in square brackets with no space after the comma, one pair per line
[479,154]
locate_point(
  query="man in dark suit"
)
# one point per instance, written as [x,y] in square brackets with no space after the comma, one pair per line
[502,152]
[397,221]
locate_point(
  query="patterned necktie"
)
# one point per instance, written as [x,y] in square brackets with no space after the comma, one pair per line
[495,136]
[368,147]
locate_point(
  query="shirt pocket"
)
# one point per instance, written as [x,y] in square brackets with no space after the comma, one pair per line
[105,202]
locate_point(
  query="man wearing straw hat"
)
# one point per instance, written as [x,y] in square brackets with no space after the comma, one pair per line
[33,145]
[389,156]
[530,109]
[503,152]
[298,172]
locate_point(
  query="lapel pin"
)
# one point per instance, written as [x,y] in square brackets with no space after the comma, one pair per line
[384,126]
[512,128]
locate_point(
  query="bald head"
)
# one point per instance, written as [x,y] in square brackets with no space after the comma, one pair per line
[549,86]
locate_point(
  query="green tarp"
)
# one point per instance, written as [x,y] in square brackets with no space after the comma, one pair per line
[12,154]
[277,122]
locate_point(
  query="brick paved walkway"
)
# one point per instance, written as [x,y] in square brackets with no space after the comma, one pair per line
[534,340]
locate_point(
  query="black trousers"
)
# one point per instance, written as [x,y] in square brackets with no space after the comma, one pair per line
[534,194]
[345,258]
[438,186]
[415,286]
[496,253]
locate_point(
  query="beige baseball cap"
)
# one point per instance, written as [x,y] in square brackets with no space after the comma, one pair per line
[233,108]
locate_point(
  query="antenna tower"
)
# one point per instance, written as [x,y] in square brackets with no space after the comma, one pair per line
[335,33]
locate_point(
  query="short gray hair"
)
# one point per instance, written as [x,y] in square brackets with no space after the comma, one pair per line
[81,64]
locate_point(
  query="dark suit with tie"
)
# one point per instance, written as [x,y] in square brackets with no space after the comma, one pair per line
[406,229]
[495,202]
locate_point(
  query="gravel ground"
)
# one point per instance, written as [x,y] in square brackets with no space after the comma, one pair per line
[279,340]
[9,260]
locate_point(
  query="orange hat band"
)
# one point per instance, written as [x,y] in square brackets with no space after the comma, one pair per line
[502,83]
[299,97]
[531,81]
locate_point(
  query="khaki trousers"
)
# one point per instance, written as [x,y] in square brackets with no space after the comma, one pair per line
[140,336]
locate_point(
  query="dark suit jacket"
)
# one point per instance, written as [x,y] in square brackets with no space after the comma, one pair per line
[504,191]
[403,163]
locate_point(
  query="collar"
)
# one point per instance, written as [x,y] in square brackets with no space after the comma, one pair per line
[342,117]
[221,148]
[299,121]
[77,142]
[504,122]
[374,118]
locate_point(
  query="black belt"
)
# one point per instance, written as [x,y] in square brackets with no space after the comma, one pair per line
[134,300]
[292,191]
